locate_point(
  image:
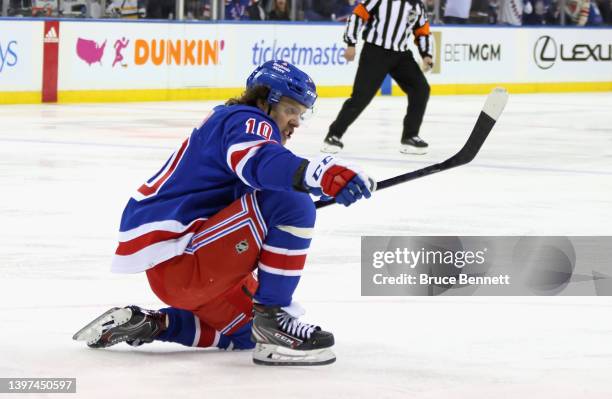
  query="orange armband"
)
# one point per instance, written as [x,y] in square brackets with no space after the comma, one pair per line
[361,12]
[423,30]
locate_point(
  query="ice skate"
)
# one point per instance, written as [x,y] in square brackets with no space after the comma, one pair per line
[282,340]
[414,145]
[131,324]
[332,145]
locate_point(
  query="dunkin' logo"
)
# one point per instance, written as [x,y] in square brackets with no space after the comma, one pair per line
[178,52]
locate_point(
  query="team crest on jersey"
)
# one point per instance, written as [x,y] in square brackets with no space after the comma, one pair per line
[242,246]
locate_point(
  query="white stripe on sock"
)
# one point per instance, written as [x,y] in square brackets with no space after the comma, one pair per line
[196,339]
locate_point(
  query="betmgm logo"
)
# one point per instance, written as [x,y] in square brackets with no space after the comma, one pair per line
[546,52]
[463,51]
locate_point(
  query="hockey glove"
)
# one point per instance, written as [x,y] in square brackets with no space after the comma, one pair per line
[331,177]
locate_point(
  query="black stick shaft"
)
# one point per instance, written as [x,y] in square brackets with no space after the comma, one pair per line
[479,134]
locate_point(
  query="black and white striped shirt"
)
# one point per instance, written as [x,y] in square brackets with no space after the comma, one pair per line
[389,24]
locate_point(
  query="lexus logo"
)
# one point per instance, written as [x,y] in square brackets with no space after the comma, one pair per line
[545,52]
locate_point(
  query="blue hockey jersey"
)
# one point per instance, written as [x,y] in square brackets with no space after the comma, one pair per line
[237,149]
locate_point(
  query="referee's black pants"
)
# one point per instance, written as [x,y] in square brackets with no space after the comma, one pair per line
[375,63]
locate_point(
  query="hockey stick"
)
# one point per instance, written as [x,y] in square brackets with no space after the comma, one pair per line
[492,109]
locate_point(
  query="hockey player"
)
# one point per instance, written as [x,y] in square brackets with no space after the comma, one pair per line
[231,200]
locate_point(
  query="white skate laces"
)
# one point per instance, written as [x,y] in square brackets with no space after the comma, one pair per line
[288,321]
[295,327]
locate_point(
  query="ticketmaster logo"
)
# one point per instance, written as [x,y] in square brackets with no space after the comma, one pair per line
[297,54]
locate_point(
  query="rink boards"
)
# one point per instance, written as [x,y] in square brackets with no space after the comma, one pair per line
[91,61]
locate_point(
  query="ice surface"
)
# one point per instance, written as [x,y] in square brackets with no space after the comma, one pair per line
[66,172]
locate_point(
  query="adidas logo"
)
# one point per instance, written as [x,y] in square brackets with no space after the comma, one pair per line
[51,36]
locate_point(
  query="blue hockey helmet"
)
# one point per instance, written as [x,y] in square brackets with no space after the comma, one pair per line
[284,79]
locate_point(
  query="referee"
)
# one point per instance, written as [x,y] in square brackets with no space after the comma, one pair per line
[386,27]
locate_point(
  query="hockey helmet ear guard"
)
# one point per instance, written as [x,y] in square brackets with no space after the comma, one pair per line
[284,79]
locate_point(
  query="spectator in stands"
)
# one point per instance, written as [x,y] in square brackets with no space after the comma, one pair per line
[344,10]
[321,10]
[577,12]
[255,11]
[511,12]
[160,9]
[605,6]
[198,9]
[236,10]
[595,17]
[93,9]
[541,15]
[492,11]
[280,11]
[457,11]
[583,12]
[123,9]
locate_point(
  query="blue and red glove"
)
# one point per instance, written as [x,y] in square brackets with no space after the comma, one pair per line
[330,177]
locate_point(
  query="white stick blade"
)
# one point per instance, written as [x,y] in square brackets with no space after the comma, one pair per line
[496,102]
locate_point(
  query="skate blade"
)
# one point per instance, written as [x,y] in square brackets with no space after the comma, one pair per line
[94,330]
[274,355]
[330,149]
[408,149]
